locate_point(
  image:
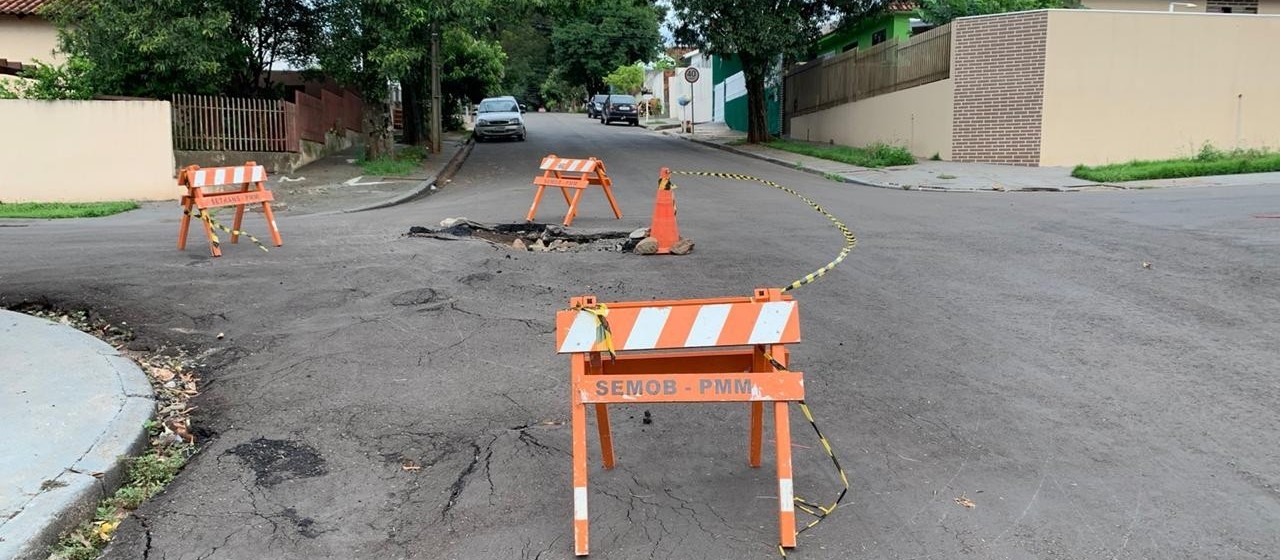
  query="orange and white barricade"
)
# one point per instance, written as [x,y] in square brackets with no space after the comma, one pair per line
[575,174]
[701,350]
[251,180]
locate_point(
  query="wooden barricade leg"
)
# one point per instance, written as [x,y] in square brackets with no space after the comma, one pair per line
[608,193]
[596,367]
[564,191]
[533,210]
[270,224]
[757,433]
[786,493]
[606,439]
[270,220]
[758,363]
[186,222]
[235,224]
[573,208]
[578,415]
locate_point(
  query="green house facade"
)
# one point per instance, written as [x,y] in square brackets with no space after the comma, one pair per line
[729,90]
[899,23]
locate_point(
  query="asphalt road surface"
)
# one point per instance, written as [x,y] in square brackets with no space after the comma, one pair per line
[1009,350]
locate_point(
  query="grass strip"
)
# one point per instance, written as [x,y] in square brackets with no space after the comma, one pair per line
[1209,161]
[875,155]
[49,210]
[406,161]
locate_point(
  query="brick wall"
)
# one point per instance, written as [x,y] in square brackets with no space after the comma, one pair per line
[1237,6]
[998,70]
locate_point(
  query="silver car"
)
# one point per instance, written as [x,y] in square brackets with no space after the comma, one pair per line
[499,117]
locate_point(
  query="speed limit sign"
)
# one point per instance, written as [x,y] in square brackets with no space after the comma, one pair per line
[691,74]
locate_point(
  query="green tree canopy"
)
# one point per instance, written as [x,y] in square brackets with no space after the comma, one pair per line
[156,48]
[759,32]
[593,37]
[473,67]
[939,12]
[626,79]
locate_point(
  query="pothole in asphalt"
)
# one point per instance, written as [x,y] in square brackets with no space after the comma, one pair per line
[534,237]
[277,460]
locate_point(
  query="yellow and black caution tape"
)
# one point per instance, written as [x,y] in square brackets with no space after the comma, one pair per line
[818,511]
[850,241]
[213,237]
[603,332]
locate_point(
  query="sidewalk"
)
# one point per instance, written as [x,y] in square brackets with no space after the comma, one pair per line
[337,184]
[945,176]
[71,409]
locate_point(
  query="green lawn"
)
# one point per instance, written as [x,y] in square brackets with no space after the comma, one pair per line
[406,161]
[1210,161]
[875,155]
[64,209]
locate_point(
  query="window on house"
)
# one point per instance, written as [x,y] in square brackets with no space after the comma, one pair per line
[849,47]
[878,37]
[1226,9]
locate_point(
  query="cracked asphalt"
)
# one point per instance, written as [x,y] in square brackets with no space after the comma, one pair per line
[382,396]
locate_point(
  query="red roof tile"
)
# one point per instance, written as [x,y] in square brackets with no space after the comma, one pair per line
[20,7]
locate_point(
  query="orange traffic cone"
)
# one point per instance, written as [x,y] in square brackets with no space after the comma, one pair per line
[664,228]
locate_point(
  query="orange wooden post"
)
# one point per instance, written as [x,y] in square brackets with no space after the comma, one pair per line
[576,174]
[578,418]
[786,495]
[702,350]
[252,181]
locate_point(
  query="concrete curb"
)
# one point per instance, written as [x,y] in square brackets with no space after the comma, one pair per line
[784,163]
[72,496]
[865,183]
[426,187]
[661,127]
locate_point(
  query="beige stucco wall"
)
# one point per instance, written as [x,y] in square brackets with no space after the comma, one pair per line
[81,151]
[1121,86]
[918,118]
[1143,5]
[27,39]
[1264,6]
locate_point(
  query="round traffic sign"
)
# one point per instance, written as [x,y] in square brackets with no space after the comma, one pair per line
[691,74]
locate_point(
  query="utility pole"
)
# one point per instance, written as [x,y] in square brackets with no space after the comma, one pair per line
[435,88]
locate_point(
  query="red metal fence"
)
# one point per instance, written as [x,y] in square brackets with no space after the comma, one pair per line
[209,123]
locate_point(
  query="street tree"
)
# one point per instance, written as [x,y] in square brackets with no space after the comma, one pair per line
[593,37]
[759,32]
[473,68]
[939,12]
[149,48]
[626,79]
[366,44]
[353,32]
[156,48]
[762,34]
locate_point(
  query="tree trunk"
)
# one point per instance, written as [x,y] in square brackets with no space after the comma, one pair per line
[757,116]
[377,135]
[436,98]
[413,96]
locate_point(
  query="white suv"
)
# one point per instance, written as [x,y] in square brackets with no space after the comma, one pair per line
[499,117]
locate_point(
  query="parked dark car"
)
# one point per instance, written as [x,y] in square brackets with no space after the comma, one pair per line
[596,106]
[620,108]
